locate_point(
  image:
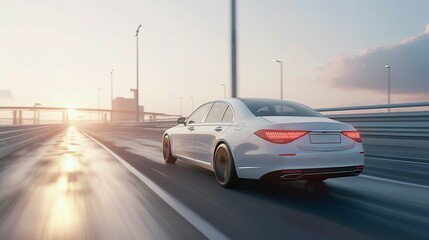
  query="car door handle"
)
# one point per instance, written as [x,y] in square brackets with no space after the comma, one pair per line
[191,128]
[218,129]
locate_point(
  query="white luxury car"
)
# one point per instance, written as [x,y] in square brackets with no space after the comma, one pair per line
[265,139]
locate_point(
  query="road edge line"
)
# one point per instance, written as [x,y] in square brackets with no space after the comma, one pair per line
[394,181]
[194,219]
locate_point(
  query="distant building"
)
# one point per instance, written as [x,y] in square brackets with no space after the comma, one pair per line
[124,109]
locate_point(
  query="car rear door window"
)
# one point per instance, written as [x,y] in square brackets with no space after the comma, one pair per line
[200,114]
[228,116]
[217,112]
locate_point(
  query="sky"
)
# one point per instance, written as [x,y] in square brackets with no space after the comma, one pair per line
[58,53]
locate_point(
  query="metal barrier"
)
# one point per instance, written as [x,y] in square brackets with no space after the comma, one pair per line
[402,129]
[379,106]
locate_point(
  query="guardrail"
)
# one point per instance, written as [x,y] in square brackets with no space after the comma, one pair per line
[379,106]
[402,129]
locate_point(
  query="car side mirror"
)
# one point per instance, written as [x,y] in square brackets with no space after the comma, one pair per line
[181,120]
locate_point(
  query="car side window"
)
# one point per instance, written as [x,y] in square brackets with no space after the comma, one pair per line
[228,116]
[200,114]
[217,112]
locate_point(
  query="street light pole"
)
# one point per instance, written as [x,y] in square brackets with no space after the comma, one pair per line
[36,113]
[233,52]
[224,90]
[111,96]
[98,105]
[388,86]
[281,78]
[137,89]
[181,106]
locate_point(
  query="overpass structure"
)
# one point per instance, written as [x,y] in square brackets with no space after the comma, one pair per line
[105,114]
[420,116]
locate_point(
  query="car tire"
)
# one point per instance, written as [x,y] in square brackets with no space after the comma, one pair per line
[224,166]
[166,150]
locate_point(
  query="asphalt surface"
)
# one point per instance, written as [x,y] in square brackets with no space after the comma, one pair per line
[68,186]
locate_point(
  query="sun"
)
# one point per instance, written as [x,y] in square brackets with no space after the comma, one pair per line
[72,112]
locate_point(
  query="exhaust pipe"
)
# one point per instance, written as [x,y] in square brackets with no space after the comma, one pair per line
[291,176]
[358,170]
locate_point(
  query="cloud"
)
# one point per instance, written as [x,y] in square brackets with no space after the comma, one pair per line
[408,61]
[6,94]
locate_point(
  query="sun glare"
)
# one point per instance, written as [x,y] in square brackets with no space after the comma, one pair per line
[72,112]
[69,164]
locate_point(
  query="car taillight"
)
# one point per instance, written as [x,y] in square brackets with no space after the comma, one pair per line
[280,136]
[353,135]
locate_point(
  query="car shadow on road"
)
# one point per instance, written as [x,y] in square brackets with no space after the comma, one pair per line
[354,209]
[291,190]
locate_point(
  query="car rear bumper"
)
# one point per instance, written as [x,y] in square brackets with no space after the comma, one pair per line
[313,173]
[257,157]
[258,165]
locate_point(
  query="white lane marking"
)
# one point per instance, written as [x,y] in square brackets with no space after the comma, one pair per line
[394,181]
[194,219]
[400,161]
[163,174]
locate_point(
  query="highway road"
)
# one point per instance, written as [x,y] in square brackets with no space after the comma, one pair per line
[110,182]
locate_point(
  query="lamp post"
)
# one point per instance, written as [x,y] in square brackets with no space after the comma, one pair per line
[281,77]
[137,89]
[111,96]
[181,106]
[98,105]
[224,90]
[233,52]
[36,113]
[388,86]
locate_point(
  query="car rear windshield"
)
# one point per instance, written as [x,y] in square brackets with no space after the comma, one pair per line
[263,108]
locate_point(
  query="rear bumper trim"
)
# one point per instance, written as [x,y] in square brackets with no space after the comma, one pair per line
[313,173]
